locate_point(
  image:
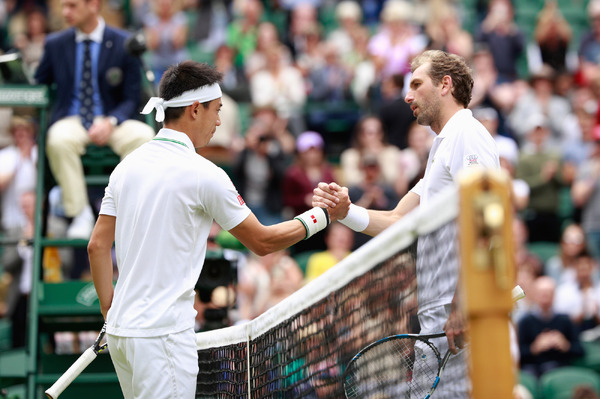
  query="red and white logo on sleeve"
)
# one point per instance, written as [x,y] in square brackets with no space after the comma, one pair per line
[240,199]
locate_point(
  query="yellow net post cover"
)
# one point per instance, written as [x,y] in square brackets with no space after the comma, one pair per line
[486,247]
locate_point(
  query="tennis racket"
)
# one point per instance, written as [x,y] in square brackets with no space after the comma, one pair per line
[398,366]
[76,368]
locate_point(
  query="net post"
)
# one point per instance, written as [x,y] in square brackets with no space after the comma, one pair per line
[486,251]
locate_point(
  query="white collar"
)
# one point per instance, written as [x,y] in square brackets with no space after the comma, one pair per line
[175,136]
[96,35]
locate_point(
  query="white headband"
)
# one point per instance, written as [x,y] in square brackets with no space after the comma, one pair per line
[202,94]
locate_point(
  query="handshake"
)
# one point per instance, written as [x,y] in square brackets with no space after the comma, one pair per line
[333,198]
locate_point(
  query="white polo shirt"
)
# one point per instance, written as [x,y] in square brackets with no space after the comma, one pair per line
[463,143]
[164,197]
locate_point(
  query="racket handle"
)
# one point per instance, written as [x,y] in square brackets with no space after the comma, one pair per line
[67,378]
[517,293]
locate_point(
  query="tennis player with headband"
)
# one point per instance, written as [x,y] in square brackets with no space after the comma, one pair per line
[439,94]
[158,209]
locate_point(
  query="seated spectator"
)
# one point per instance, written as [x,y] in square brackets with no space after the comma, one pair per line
[585,193]
[370,138]
[265,281]
[547,340]
[561,267]
[348,15]
[540,99]
[413,159]
[98,94]
[580,298]
[339,240]
[372,192]
[17,185]
[395,114]
[31,42]
[589,46]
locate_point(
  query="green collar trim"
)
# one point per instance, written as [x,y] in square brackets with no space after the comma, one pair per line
[171,140]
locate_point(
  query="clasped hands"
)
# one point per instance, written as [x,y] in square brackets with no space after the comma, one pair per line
[333,198]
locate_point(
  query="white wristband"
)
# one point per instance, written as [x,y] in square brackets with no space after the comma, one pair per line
[357,218]
[314,220]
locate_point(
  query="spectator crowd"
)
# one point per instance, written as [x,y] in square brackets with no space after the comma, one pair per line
[313,90]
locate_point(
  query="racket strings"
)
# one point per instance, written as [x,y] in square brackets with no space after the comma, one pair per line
[398,368]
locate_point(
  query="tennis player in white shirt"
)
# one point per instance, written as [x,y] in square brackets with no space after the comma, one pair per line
[439,94]
[158,208]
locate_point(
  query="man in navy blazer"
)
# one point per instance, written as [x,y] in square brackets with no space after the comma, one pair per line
[110,105]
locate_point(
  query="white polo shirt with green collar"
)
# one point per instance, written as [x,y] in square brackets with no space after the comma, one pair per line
[164,197]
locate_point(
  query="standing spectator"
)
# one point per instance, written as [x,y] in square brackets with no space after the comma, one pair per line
[303,18]
[540,167]
[259,168]
[266,37]
[547,340]
[243,30]
[309,168]
[586,195]
[504,39]
[552,38]
[166,35]
[369,138]
[281,86]
[98,91]
[580,298]
[445,32]
[339,240]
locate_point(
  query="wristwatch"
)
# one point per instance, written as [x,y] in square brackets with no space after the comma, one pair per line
[113,120]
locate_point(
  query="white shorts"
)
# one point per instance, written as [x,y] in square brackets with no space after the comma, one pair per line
[164,367]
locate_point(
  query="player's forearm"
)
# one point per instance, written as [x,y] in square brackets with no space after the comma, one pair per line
[102,276]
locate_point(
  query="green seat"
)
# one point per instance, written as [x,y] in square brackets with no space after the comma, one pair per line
[562,382]
[530,382]
[543,250]
[591,359]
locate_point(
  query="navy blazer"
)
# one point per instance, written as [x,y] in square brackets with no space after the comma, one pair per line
[119,73]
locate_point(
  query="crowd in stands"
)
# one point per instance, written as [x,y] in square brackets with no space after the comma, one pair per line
[313,91]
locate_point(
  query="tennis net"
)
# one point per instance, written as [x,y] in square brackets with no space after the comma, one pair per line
[300,347]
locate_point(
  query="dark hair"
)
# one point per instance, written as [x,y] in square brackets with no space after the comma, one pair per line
[186,76]
[446,64]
